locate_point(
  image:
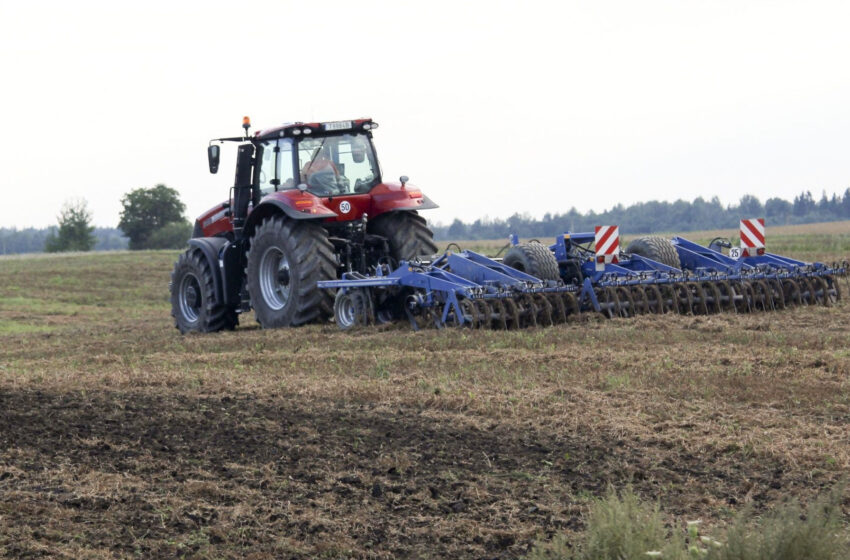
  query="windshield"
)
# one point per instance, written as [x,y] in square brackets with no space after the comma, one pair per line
[337,165]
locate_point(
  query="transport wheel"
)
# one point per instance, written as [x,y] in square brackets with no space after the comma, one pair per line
[534,259]
[407,232]
[659,249]
[285,261]
[353,308]
[193,302]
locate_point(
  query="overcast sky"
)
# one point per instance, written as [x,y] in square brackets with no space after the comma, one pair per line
[490,107]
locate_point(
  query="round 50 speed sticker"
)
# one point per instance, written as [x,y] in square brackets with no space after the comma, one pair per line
[345,207]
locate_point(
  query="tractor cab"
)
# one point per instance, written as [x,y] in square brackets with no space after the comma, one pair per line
[328,166]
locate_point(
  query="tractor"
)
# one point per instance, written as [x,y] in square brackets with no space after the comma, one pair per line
[308,205]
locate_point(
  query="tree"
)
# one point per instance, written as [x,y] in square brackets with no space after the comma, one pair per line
[75,229]
[147,211]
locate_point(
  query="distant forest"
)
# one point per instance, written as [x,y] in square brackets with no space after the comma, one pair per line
[654,216]
[643,217]
[31,240]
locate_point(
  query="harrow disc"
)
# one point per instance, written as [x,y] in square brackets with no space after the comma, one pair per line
[607,299]
[485,314]
[512,313]
[762,295]
[527,310]
[559,310]
[807,292]
[776,293]
[670,298]
[469,312]
[711,293]
[834,290]
[544,310]
[654,301]
[627,303]
[791,292]
[727,296]
[640,300]
[822,291]
[571,305]
[500,319]
[698,303]
[685,300]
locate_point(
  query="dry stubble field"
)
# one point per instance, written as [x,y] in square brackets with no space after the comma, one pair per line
[121,438]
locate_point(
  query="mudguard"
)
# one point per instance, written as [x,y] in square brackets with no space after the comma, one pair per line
[211,248]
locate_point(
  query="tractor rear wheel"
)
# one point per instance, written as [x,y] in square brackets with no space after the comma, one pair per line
[193,302]
[285,261]
[407,233]
[657,248]
[534,259]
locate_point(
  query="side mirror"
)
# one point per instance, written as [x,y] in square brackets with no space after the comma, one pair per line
[213,152]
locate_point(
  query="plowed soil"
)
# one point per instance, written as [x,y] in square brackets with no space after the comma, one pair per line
[121,438]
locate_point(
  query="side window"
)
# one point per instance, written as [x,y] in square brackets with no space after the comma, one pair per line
[267,168]
[285,173]
[276,166]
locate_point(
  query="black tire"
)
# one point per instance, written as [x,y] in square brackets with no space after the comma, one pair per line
[534,259]
[193,303]
[285,261]
[656,248]
[408,234]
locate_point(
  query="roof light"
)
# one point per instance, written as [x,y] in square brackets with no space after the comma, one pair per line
[296,131]
[307,130]
[246,122]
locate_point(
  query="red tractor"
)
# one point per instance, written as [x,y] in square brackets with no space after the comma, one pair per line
[308,204]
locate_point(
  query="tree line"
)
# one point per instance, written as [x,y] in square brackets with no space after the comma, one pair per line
[150,219]
[655,216]
[153,218]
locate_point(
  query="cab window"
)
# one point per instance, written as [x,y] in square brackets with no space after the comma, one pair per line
[276,171]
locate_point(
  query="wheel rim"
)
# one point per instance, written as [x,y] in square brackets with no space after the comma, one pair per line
[275,281]
[345,312]
[190,297]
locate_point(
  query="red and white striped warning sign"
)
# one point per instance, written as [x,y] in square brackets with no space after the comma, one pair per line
[752,236]
[607,245]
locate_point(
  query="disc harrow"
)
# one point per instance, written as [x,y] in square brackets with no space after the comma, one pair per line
[466,289]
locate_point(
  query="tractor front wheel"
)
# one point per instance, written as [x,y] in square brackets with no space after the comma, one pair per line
[193,302]
[407,233]
[285,261]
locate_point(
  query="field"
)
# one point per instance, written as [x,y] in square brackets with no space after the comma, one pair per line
[121,438]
